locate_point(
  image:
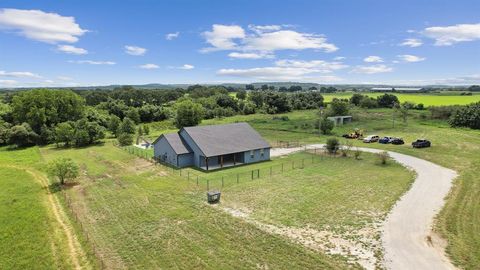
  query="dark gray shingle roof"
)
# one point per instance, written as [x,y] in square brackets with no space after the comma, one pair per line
[217,140]
[177,143]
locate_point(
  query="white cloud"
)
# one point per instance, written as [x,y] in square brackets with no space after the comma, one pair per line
[134,50]
[91,62]
[149,66]
[373,59]
[372,69]
[412,42]
[267,38]
[449,35]
[285,70]
[222,37]
[410,58]
[41,26]
[319,66]
[338,58]
[250,55]
[264,28]
[19,74]
[8,82]
[71,49]
[171,36]
[287,40]
[187,67]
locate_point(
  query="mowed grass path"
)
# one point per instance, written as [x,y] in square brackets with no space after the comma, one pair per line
[28,238]
[144,217]
[426,99]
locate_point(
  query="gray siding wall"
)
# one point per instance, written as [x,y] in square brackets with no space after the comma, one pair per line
[197,153]
[164,151]
[257,156]
[185,160]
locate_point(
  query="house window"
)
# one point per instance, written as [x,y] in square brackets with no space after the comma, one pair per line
[252,154]
[262,151]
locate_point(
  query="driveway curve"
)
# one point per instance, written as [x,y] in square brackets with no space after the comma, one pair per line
[407,238]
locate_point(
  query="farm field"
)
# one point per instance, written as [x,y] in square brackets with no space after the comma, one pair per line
[143,216]
[426,99]
[458,149]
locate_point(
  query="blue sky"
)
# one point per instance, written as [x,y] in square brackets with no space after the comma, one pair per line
[72,43]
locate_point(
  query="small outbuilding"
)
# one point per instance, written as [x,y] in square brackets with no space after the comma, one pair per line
[212,147]
[340,120]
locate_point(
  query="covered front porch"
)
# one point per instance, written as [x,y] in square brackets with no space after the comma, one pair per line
[222,161]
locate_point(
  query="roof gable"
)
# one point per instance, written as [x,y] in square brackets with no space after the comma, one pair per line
[217,140]
[177,143]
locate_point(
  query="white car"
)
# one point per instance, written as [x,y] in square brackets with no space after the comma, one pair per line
[371,138]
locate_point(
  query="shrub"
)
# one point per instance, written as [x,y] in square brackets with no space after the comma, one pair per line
[442,112]
[466,116]
[383,157]
[338,107]
[125,139]
[326,126]
[332,145]
[387,100]
[357,153]
[346,149]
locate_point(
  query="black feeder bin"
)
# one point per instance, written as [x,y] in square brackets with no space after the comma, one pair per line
[213,196]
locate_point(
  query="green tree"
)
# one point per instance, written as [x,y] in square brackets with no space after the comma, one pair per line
[387,100]
[188,114]
[242,94]
[64,169]
[146,130]
[46,107]
[127,126]
[338,107]
[22,135]
[113,124]
[125,139]
[88,132]
[64,133]
[133,114]
[326,125]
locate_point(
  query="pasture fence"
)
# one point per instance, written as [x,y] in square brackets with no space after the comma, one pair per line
[216,180]
[90,241]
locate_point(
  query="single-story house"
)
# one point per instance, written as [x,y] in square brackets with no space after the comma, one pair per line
[212,147]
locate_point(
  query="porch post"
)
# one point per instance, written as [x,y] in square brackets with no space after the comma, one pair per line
[221,161]
[206,162]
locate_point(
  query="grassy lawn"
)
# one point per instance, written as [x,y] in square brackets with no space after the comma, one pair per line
[458,149]
[451,98]
[336,193]
[28,238]
[142,216]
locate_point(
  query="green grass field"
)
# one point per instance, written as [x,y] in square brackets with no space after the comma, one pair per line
[427,99]
[141,216]
[28,236]
[458,149]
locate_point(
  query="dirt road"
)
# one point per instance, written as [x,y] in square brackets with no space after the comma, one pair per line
[407,236]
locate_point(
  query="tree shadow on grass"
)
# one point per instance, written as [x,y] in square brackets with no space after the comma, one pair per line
[57,187]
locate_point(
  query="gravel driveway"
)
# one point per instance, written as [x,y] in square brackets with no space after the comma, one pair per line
[407,236]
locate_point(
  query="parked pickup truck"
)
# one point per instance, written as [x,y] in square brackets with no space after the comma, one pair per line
[386,139]
[371,138]
[397,141]
[421,143]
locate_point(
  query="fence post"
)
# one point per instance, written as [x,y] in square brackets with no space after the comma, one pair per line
[222,181]
[252,174]
[237,178]
[303,163]
[197,180]
[282,167]
[258,173]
